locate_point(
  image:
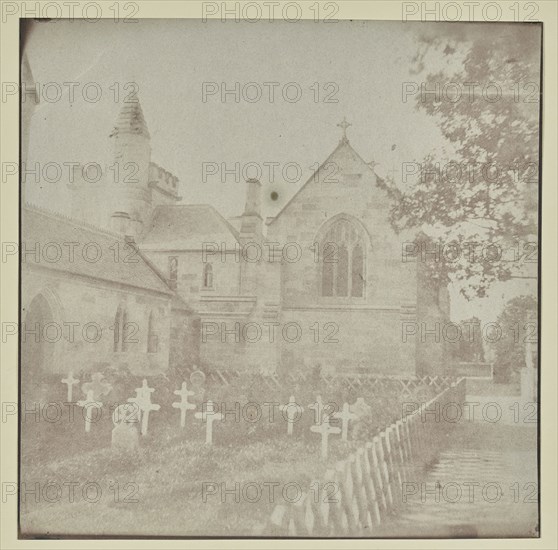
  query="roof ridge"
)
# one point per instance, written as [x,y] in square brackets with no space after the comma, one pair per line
[66,217]
[183,205]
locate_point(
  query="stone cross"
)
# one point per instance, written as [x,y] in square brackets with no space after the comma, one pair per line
[70,381]
[143,401]
[87,403]
[325,429]
[97,385]
[345,415]
[319,407]
[209,415]
[183,404]
[344,125]
[291,409]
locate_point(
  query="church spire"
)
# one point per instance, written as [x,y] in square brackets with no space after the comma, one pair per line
[344,125]
[131,120]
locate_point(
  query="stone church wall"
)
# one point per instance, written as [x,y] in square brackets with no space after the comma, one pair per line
[91,307]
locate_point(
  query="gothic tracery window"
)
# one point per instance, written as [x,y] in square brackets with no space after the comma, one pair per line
[343,261]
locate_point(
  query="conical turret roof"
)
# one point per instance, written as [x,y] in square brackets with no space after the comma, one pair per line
[131,120]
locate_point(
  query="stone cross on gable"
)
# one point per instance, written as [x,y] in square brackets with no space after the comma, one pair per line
[344,125]
[88,403]
[292,410]
[325,429]
[209,415]
[143,401]
[70,381]
[345,416]
[97,385]
[183,404]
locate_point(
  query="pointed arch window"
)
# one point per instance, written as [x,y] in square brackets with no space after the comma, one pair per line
[121,329]
[207,276]
[173,271]
[152,334]
[343,261]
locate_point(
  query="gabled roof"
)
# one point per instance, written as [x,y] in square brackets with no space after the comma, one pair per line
[98,254]
[345,158]
[188,227]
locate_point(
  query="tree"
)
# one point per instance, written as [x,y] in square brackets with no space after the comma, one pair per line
[517,326]
[476,197]
[468,348]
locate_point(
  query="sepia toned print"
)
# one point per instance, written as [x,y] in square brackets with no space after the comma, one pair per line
[279,280]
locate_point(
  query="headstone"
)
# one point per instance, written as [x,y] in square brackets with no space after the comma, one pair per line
[345,416]
[183,404]
[70,381]
[209,415]
[325,429]
[360,408]
[292,410]
[87,404]
[143,401]
[125,439]
[99,386]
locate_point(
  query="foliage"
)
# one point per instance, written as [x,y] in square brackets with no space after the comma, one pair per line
[477,195]
[469,347]
[518,325]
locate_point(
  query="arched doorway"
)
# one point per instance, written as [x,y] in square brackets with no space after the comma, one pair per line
[41,338]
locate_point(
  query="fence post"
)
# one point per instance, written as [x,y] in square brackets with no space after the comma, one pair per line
[367,481]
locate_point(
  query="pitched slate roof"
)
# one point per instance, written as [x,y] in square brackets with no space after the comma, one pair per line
[98,254]
[187,227]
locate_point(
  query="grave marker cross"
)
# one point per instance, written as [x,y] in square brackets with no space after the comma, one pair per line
[345,415]
[325,429]
[97,385]
[183,404]
[319,407]
[292,409]
[87,403]
[143,401]
[209,415]
[70,381]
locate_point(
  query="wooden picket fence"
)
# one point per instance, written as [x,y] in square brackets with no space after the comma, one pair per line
[366,382]
[360,495]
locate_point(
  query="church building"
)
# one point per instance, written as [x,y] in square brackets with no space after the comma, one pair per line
[320,285]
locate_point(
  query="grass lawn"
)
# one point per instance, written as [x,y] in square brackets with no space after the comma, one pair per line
[159,491]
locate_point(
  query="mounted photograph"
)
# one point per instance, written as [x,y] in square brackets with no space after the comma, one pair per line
[279,279]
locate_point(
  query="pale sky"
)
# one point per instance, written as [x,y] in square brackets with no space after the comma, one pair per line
[367,62]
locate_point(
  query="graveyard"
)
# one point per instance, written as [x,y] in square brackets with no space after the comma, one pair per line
[113,452]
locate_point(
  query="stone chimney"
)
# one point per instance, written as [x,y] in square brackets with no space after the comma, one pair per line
[252,222]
